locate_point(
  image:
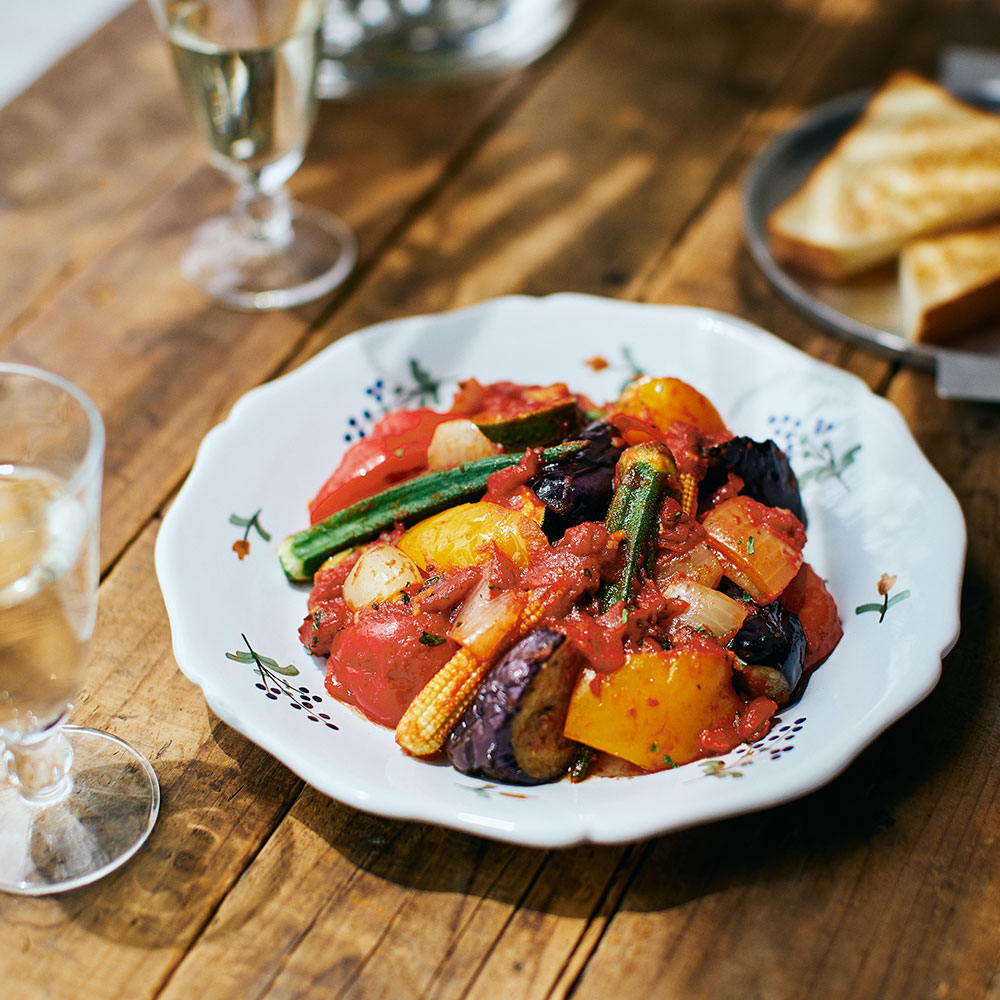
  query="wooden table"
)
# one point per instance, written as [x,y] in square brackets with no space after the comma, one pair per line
[610,167]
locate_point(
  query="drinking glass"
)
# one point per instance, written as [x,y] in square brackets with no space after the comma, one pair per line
[247,70]
[375,43]
[75,803]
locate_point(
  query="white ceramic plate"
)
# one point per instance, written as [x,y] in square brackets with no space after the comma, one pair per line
[874,504]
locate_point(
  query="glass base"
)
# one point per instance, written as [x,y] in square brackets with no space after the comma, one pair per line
[370,45]
[97,826]
[237,270]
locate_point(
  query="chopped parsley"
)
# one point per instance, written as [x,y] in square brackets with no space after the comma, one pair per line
[429,639]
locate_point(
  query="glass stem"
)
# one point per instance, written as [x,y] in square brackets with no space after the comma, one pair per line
[266,216]
[40,765]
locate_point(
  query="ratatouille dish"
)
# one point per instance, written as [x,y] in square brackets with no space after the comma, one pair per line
[538,586]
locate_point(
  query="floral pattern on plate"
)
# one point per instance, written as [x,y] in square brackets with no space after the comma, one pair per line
[868,517]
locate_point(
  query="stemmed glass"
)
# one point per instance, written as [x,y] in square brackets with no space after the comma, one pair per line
[247,70]
[75,803]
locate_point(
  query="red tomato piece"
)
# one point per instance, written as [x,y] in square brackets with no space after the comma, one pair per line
[395,450]
[322,624]
[506,399]
[807,597]
[382,661]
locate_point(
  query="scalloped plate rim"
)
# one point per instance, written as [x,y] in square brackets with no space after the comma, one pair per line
[484,816]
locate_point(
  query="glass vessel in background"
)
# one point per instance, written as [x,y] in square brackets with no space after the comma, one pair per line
[74,803]
[247,70]
[372,43]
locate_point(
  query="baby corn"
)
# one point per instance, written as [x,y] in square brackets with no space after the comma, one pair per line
[426,723]
[689,493]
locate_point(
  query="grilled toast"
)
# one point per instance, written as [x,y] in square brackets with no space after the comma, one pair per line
[916,161]
[950,283]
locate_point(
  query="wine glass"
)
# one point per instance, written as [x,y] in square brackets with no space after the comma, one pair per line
[247,70]
[75,803]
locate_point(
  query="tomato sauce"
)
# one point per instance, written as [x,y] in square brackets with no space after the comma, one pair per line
[382,661]
[506,399]
[382,654]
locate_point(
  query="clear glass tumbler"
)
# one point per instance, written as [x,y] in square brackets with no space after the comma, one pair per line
[247,70]
[369,44]
[75,803]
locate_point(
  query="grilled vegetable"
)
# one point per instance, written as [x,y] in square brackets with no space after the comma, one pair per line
[513,730]
[772,645]
[426,723]
[707,610]
[664,401]
[381,573]
[381,660]
[815,608]
[302,554]
[466,535]
[579,488]
[653,709]
[643,470]
[759,549]
[536,428]
[764,468]
[458,442]
[698,563]
[395,449]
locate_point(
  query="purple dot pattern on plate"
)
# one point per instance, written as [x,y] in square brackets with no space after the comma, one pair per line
[778,743]
[275,687]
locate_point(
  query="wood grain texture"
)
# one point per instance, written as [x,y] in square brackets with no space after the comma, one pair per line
[613,167]
[220,797]
[83,153]
[178,361]
[595,174]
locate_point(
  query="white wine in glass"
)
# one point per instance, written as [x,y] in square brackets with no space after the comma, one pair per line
[75,803]
[247,70]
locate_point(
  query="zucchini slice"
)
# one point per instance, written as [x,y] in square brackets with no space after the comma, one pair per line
[535,429]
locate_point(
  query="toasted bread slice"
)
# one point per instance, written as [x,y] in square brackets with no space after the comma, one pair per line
[917,160]
[950,284]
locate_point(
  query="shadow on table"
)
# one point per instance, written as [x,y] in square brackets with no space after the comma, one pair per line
[212,817]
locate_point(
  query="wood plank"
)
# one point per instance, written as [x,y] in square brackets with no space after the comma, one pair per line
[85,150]
[179,361]
[333,887]
[353,905]
[597,174]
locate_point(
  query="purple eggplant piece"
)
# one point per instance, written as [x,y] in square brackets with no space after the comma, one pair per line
[513,730]
[764,468]
[579,488]
[772,644]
